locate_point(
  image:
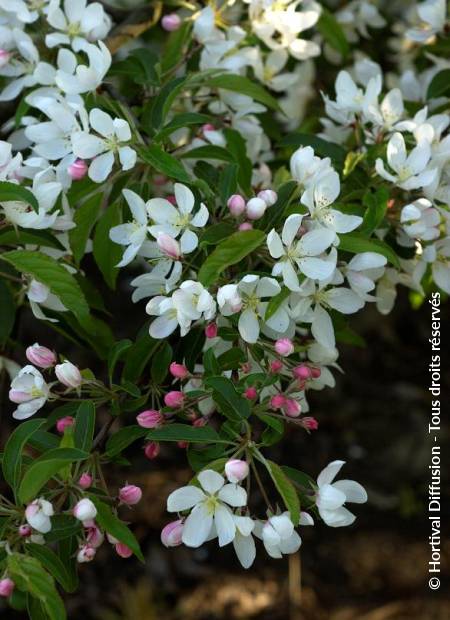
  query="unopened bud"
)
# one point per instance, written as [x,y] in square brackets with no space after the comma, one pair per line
[25,531]
[315,372]
[182,444]
[276,366]
[292,408]
[85,481]
[150,418]
[168,245]
[278,401]
[269,196]
[123,550]
[251,393]
[86,553]
[179,371]
[310,423]
[302,372]
[64,423]
[236,205]
[151,450]
[77,170]
[236,470]
[284,347]
[211,330]
[171,22]
[171,534]
[68,374]
[256,207]
[245,226]
[84,510]
[6,587]
[174,399]
[40,356]
[130,495]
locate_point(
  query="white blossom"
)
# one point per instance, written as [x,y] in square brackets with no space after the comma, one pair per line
[331,496]
[30,391]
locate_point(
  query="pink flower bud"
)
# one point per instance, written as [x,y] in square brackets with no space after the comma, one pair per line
[150,418]
[302,372]
[171,534]
[171,22]
[6,587]
[123,550]
[171,198]
[310,423]
[85,480]
[179,371]
[236,470]
[199,422]
[174,399]
[94,536]
[292,408]
[256,207]
[278,401]
[64,423]
[86,553]
[4,57]
[251,393]
[84,510]
[77,170]
[68,374]
[208,127]
[151,450]
[276,366]
[130,495]
[315,372]
[245,226]
[182,444]
[25,531]
[40,356]
[236,205]
[284,347]
[211,330]
[269,196]
[168,245]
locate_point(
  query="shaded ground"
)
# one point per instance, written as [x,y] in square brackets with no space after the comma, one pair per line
[376,419]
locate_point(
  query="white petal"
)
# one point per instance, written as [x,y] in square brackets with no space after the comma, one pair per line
[290,228]
[329,497]
[322,328]
[184,197]
[267,287]
[316,268]
[188,241]
[291,544]
[184,498]
[344,300]
[234,495]
[274,244]
[101,166]
[337,518]
[86,146]
[245,549]
[248,326]
[330,472]
[122,129]
[162,327]
[197,526]
[396,151]
[354,492]
[127,157]
[137,206]
[211,481]
[101,122]
[225,526]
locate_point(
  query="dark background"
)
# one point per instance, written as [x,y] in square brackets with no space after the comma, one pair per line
[376,419]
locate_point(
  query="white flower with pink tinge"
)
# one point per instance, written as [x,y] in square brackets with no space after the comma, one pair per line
[178,220]
[30,391]
[331,496]
[210,506]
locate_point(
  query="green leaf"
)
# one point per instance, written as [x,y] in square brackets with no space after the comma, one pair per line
[274,430]
[210,363]
[356,243]
[232,359]
[44,468]
[12,456]
[138,356]
[332,32]
[276,302]
[244,86]
[376,204]
[29,575]
[7,311]
[48,271]
[439,85]
[163,101]
[176,44]
[11,235]
[124,438]
[237,147]
[63,527]
[321,147]
[210,151]
[14,191]
[286,489]
[182,120]
[228,182]
[109,522]
[85,426]
[53,564]
[84,218]
[216,233]
[230,403]
[160,363]
[115,354]
[229,252]
[165,163]
[184,432]
[107,253]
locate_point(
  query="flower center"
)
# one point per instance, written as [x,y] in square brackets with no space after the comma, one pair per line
[211,504]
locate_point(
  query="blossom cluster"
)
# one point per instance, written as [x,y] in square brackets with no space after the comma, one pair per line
[252,172]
